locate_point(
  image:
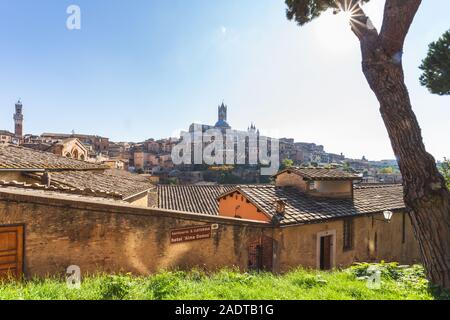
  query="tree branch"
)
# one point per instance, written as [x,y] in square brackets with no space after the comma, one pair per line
[364,29]
[398,17]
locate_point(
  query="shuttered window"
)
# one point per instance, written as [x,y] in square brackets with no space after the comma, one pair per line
[348,234]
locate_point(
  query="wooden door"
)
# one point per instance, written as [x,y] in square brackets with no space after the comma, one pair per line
[326,244]
[11,252]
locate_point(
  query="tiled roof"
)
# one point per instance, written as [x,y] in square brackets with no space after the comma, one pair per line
[116,182]
[302,208]
[51,193]
[13,157]
[6,133]
[60,189]
[322,174]
[192,198]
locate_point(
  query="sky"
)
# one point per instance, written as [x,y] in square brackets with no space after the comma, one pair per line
[149,68]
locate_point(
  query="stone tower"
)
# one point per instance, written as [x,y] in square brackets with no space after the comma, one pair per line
[222,121]
[223,112]
[18,120]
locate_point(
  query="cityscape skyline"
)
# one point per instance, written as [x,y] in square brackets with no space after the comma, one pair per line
[156,78]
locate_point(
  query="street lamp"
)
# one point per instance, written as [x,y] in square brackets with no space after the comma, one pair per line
[387,216]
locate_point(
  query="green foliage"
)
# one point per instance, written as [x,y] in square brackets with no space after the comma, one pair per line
[172,181]
[436,66]
[304,11]
[286,163]
[445,170]
[398,282]
[165,284]
[387,170]
[114,287]
[227,177]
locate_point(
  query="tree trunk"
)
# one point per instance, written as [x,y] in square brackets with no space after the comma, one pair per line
[426,196]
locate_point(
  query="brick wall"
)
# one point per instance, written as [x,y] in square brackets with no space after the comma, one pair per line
[113,238]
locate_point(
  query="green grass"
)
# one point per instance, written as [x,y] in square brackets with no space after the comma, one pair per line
[349,284]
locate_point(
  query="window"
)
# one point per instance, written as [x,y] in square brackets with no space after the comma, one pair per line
[348,234]
[404,228]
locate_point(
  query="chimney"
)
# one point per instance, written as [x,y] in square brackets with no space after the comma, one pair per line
[280,207]
[46,179]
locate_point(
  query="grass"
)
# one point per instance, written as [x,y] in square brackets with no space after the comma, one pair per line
[397,283]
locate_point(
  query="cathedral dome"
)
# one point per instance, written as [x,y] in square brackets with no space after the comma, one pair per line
[222,124]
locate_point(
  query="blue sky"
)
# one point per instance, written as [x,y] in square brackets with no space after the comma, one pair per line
[140,69]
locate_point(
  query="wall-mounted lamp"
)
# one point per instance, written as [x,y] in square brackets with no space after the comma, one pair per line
[387,216]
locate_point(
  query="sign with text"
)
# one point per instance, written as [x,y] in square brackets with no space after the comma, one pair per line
[190,234]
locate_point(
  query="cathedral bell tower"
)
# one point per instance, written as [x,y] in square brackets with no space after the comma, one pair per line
[18,120]
[222,121]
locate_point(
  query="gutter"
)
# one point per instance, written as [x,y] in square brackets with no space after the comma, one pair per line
[22,170]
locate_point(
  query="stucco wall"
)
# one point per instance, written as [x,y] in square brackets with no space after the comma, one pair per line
[338,189]
[114,238]
[291,180]
[299,245]
[236,204]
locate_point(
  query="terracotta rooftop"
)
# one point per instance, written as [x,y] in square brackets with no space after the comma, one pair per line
[322,174]
[302,208]
[192,198]
[6,133]
[14,158]
[117,183]
[55,194]
[69,175]
[59,189]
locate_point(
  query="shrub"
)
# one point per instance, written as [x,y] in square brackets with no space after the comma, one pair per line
[166,284]
[114,287]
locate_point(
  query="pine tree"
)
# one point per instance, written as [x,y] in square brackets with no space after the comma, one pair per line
[436,66]
[426,195]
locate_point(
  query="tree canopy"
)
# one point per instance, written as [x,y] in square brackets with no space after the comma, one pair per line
[304,11]
[436,66]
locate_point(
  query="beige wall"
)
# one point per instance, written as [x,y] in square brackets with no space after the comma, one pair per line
[60,232]
[291,180]
[298,244]
[334,189]
[115,238]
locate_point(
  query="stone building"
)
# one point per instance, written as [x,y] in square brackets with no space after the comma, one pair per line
[6,137]
[69,148]
[321,219]
[100,145]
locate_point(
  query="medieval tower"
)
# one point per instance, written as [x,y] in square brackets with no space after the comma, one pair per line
[18,120]
[222,115]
